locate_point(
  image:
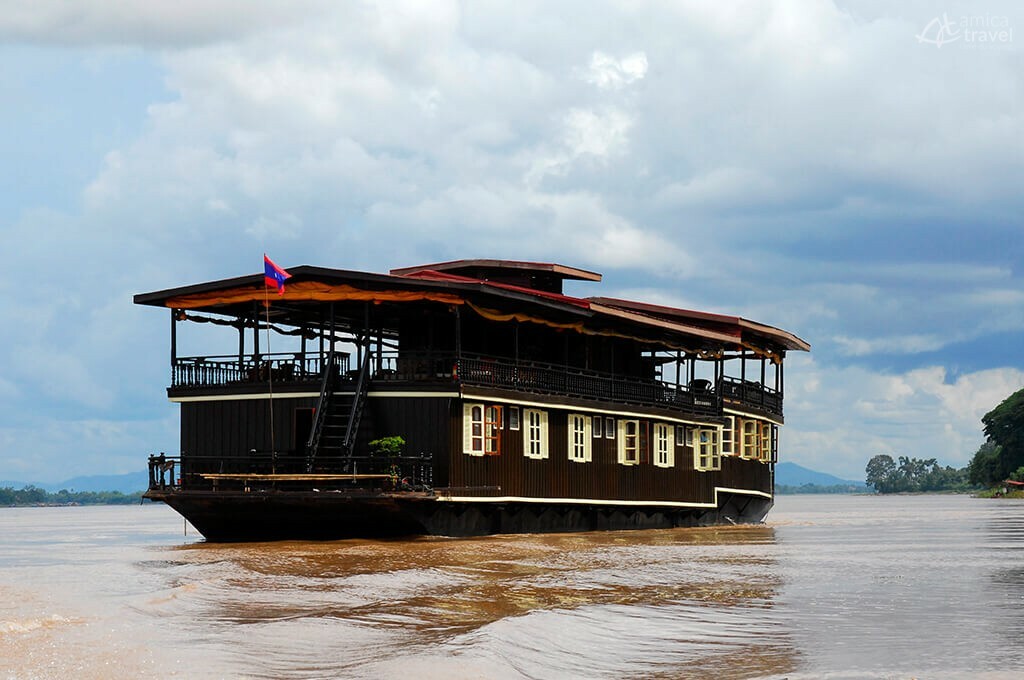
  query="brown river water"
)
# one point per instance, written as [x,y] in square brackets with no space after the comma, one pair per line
[830,587]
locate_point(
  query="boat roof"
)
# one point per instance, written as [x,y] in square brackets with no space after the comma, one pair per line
[496,289]
[496,268]
[708,320]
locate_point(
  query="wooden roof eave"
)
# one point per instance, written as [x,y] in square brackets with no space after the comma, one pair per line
[560,270]
[248,289]
[783,339]
[672,328]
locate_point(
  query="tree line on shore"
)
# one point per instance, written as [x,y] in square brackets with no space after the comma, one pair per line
[33,495]
[999,458]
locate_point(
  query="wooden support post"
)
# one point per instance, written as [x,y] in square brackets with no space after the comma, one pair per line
[458,335]
[256,333]
[174,337]
[241,345]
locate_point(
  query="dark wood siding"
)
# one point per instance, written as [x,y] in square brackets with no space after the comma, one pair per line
[603,478]
[234,427]
[421,421]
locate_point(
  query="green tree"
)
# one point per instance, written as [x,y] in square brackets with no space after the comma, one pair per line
[985,468]
[1004,426]
[881,473]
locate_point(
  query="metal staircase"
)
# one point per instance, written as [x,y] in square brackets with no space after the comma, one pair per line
[336,422]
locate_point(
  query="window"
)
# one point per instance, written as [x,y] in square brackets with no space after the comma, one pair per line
[707,455]
[680,435]
[609,428]
[769,433]
[629,442]
[513,417]
[750,439]
[473,429]
[727,436]
[689,436]
[535,443]
[596,425]
[492,430]
[664,453]
[579,438]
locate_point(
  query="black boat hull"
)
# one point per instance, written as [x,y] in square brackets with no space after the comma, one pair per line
[238,517]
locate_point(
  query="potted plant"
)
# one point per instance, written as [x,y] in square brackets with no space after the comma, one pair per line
[390,448]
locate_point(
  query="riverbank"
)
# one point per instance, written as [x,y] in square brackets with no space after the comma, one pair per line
[31,496]
[1000,492]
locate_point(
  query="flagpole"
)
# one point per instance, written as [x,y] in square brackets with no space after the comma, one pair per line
[272,274]
[270,384]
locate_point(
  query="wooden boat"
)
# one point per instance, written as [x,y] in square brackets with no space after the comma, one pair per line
[463,398]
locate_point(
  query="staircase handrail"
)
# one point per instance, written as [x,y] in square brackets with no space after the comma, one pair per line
[362,385]
[320,413]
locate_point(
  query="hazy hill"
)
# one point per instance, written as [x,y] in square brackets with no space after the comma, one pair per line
[126,483]
[791,474]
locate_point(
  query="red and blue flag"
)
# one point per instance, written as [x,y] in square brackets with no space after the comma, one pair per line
[273,275]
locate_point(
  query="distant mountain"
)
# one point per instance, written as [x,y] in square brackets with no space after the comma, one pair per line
[126,483]
[791,474]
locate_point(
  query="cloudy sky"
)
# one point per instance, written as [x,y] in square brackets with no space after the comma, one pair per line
[847,170]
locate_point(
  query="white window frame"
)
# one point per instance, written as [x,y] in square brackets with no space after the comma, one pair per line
[707,454]
[768,437]
[750,438]
[664,445]
[473,429]
[597,427]
[623,441]
[609,427]
[578,429]
[535,433]
[681,435]
[728,434]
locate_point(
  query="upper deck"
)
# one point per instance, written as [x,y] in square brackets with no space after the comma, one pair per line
[206,376]
[482,324]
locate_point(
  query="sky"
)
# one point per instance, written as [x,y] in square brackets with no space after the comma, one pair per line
[849,171]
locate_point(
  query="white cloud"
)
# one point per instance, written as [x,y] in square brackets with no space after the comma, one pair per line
[607,72]
[597,134]
[151,24]
[838,418]
[903,344]
[804,164]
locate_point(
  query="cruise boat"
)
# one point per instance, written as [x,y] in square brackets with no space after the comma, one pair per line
[461,398]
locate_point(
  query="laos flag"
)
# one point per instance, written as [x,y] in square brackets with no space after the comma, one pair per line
[273,275]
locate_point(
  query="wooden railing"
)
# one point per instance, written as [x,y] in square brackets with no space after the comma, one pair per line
[286,471]
[227,370]
[561,380]
[750,394]
[700,397]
